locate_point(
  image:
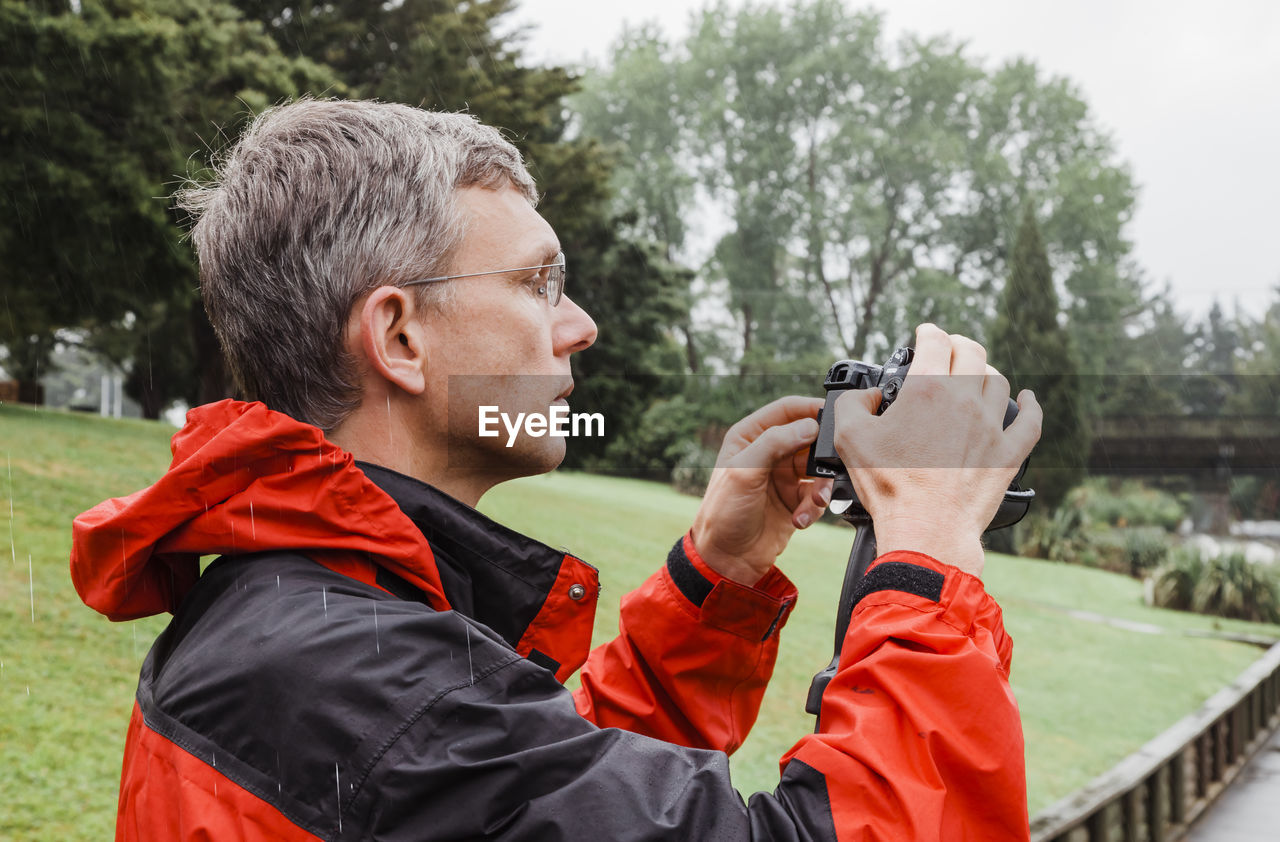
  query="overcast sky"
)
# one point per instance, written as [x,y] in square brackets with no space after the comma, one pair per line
[1190,91]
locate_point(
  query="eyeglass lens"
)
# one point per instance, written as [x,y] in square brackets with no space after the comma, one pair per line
[555,281]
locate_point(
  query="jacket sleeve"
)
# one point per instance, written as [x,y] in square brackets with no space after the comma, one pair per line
[920,740]
[920,735]
[693,655]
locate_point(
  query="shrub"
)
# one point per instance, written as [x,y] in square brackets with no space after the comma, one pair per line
[1145,548]
[1256,498]
[1102,547]
[692,470]
[1226,586]
[1057,535]
[1127,503]
[650,450]
[1231,586]
[1174,582]
[1066,535]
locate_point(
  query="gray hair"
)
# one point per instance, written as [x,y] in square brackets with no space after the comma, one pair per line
[319,203]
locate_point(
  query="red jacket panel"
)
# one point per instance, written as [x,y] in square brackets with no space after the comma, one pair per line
[168,794]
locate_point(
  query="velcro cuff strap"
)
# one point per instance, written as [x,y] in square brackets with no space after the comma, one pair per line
[695,587]
[901,576]
[544,660]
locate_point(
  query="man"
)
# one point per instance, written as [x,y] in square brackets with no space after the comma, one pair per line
[373,659]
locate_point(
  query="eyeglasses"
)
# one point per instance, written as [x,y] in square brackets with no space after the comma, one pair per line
[553,289]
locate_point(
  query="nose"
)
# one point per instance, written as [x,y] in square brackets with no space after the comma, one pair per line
[574,330]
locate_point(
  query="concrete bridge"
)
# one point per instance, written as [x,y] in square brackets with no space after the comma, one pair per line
[1208,450]
[1182,445]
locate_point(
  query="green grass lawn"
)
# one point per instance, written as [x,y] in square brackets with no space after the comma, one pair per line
[1089,693]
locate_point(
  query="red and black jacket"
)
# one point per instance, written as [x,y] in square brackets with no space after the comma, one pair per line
[371,659]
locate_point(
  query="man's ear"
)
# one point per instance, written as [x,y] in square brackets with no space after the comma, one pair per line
[393,340]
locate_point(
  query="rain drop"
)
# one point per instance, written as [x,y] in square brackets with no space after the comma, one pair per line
[337,783]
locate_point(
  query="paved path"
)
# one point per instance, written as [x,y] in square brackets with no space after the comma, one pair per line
[1249,811]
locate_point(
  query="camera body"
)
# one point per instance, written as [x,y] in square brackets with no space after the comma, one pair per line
[889,378]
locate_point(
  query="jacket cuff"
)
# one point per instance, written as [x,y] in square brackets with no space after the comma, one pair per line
[958,599]
[751,612]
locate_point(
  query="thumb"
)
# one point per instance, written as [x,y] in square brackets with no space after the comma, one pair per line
[775,445]
[855,411]
[858,402]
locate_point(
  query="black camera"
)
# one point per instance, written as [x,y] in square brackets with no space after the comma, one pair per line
[889,379]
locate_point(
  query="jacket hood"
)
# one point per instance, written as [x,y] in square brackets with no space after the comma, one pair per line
[243,479]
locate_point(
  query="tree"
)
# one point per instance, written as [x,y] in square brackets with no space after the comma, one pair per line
[637,113]
[1033,140]
[104,103]
[868,185]
[1032,347]
[1258,368]
[78,151]
[759,95]
[1216,348]
[1150,376]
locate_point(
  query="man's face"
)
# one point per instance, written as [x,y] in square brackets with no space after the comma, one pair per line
[499,341]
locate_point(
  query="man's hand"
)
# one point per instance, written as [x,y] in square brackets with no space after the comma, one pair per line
[759,494]
[933,469]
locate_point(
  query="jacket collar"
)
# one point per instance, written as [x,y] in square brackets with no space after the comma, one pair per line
[539,599]
[490,572]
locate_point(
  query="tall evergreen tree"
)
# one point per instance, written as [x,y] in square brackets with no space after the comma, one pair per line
[1034,349]
[1217,342]
[1258,383]
[1150,377]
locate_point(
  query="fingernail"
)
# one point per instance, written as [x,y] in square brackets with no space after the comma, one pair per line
[825,496]
[803,519]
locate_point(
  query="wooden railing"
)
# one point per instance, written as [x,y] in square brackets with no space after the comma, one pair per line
[1157,793]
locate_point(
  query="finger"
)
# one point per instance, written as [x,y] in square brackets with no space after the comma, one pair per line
[854,410]
[822,492]
[796,496]
[804,497]
[968,358]
[933,351]
[776,445]
[817,489]
[995,394]
[1024,432]
[790,482]
[799,468]
[858,402]
[806,514]
[779,412]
